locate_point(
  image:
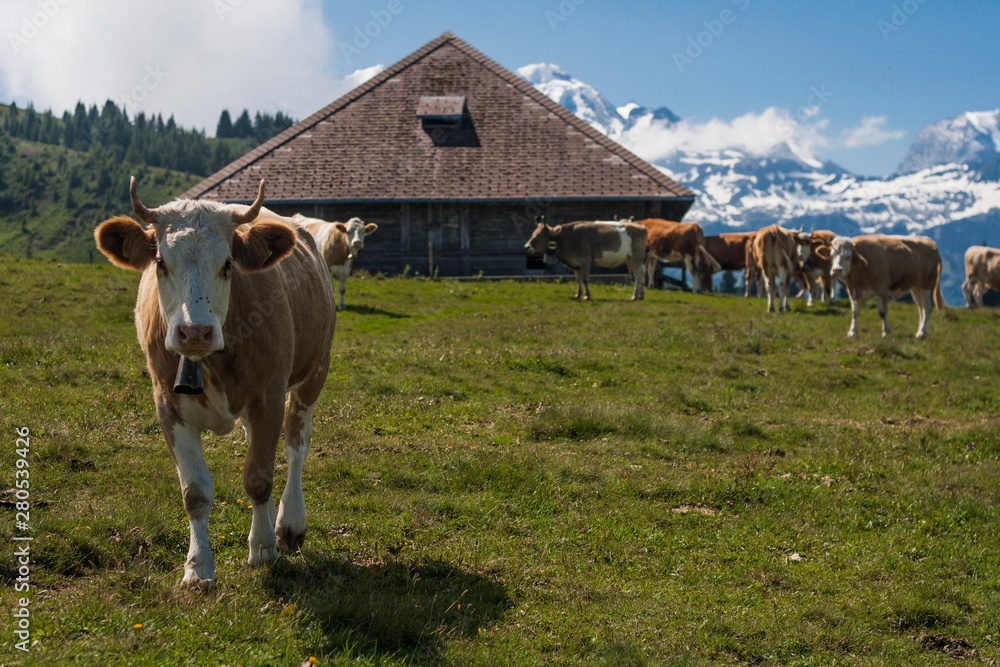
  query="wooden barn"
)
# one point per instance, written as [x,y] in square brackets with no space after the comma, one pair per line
[454,157]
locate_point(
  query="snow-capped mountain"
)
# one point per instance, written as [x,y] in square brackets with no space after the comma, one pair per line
[947,187]
[971,139]
[586,102]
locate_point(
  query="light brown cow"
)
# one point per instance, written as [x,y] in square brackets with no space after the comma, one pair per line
[340,244]
[814,276]
[982,273]
[729,251]
[882,265]
[245,294]
[582,244]
[671,241]
[777,253]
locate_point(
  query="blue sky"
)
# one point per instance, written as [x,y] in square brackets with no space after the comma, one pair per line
[859,77]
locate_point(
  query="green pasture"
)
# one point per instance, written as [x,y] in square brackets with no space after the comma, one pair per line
[500,475]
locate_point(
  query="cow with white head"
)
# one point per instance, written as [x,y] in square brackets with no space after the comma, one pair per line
[245,295]
[340,243]
[883,266]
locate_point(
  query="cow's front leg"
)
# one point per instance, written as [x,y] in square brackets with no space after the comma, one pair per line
[852,332]
[262,429]
[583,282]
[184,442]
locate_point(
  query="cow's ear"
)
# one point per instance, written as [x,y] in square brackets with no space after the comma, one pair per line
[340,227]
[555,231]
[823,252]
[263,245]
[370,228]
[126,243]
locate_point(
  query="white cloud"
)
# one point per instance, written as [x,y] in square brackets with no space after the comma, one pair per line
[189,58]
[771,131]
[870,132]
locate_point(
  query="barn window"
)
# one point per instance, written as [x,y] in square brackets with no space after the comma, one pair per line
[446,120]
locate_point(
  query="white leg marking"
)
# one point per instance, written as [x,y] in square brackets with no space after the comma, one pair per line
[852,332]
[261,539]
[291,523]
[198,494]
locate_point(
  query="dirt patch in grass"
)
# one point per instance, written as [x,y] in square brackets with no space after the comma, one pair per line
[950,646]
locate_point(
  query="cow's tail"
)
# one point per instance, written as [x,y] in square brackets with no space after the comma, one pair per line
[707,257]
[938,296]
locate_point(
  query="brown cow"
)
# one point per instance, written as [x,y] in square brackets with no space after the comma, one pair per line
[340,244]
[777,253]
[729,251]
[982,273]
[815,271]
[888,265]
[252,304]
[671,241]
[582,244]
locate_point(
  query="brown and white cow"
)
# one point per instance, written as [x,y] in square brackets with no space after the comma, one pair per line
[883,265]
[246,294]
[982,273]
[815,272]
[777,253]
[730,252]
[340,244]
[582,244]
[672,241]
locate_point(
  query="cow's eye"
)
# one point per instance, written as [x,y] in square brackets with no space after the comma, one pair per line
[161,267]
[227,268]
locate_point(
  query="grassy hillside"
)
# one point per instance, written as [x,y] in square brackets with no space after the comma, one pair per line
[70,194]
[501,475]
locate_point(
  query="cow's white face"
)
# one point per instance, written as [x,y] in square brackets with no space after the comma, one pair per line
[194,265]
[356,231]
[841,256]
[803,247]
[194,247]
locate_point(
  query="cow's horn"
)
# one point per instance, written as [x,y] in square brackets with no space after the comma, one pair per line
[140,209]
[251,213]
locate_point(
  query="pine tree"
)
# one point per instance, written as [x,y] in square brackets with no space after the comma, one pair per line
[224,130]
[243,128]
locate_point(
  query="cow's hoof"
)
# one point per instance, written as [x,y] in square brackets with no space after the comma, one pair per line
[921,335]
[290,541]
[193,582]
[261,555]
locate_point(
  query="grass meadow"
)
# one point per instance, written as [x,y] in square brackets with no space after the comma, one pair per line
[500,475]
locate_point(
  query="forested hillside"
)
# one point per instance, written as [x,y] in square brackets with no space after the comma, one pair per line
[59,177]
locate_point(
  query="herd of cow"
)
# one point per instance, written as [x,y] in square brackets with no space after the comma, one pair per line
[236,313]
[870,265]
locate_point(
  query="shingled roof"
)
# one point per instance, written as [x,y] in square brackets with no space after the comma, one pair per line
[370,145]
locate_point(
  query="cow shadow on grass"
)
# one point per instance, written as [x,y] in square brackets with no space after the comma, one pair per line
[373,310]
[390,609]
